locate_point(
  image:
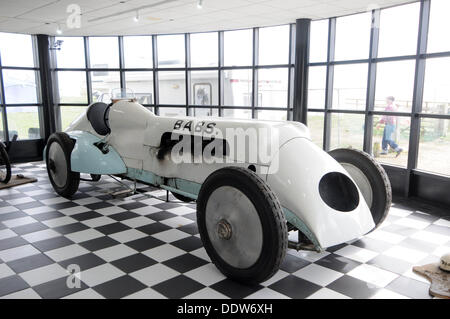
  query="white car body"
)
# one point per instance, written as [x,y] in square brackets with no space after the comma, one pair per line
[136,137]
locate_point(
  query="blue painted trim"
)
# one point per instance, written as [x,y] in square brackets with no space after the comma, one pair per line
[300,225]
[176,185]
[86,158]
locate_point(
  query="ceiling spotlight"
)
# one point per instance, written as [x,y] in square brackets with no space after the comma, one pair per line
[200,4]
[58,29]
[136,17]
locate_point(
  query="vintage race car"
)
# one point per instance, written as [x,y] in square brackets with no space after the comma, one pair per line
[246,205]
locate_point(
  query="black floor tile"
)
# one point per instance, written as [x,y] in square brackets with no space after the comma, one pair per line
[191,228]
[58,288]
[134,205]
[119,287]
[71,228]
[13,215]
[338,263]
[178,287]
[12,242]
[99,243]
[29,263]
[153,228]
[52,243]
[185,263]
[98,205]
[85,216]
[123,216]
[291,263]
[112,228]
[133,263]
[12,284]
[29,228]
[235,290]
[188,244]
[162,215]
[294,287]
[353,287]
[144,243]
[46,216]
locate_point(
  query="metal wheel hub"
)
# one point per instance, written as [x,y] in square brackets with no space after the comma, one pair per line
[224,229]
[234,227]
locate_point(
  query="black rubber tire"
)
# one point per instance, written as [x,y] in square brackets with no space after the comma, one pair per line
[73,178]
[4,160]
[182,198]
[274,226]
[378,179]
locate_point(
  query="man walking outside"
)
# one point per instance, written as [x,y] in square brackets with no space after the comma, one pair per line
[389,128]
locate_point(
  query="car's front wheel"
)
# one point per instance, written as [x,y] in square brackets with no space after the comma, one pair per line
[64,181]
[242,225]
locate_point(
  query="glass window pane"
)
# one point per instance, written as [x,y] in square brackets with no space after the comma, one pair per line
[238,47]
[315,125]
[318,41]
[237,113]
[434,147]
[317,77]
[71,54]
[204,88]
[204,49]
[171,51]
[137,52]
[390,134]
[353,37]
[274,45]
[350,86]
[102,85]
[69,114]
[395,79]
[16,49]
[23,121]
[104,52]
[20,86]
[201,112]
[72,87]
[398,30]
[172,111]
[347,130]
[237,87]
[439,26]
[141,84]
[272,87]
[172,87]
[271,115]
[436,97]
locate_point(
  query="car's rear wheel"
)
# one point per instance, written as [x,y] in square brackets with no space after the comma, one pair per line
[58,151]
[371,179]
[242,225]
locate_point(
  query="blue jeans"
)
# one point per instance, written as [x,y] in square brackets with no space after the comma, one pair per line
[387,137]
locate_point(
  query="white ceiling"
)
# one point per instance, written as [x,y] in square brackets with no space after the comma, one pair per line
[172,16]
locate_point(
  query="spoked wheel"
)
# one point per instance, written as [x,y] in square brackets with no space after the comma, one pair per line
[182,198]
[64,181]
[371,179]
[5,165]
[242,225]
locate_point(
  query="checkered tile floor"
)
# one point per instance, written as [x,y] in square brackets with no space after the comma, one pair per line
[142,247]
